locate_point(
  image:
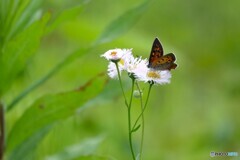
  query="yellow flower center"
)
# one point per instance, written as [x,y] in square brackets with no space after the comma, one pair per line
[113,53]
[121,62]
[153,74]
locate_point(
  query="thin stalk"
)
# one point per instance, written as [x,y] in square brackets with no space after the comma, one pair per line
[149,90]
[129,109]
[129,121]
[143,123]
[120,81]
[2,131]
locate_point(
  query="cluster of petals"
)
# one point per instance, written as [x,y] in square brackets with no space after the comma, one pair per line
[137,67]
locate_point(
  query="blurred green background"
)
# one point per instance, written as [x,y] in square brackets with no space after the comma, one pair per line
[198,112]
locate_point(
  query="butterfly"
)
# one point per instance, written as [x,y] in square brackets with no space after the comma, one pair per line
[159,61]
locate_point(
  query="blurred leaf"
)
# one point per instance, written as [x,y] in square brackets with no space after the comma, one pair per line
[2,129]
[82,149]
[66,15]
[17,52]
[54,70]
[122,24]
[96,157]
[49,109]
[26,150]
[20,15]
[115,29]
[109,94]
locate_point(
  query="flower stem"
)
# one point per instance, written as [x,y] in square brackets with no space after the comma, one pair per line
[149,90]
[129,121]
[2,130]
[143,123]
[120,81]
[129,109]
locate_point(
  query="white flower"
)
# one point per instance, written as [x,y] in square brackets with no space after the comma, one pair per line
[143,73]
[137,65]
[158,77]
[116,54]
[112,70]
[126,60]
[120,56]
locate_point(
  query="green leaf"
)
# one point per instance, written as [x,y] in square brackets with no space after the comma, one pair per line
[20,15]
[122,24]
[66,15]
[85,148]
[26,150]
[53,71]
[115,29]
[49,109]
[111,91]
[17,53]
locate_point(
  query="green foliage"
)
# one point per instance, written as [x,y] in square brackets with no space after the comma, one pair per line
[81,150]
[122,24]
[64,16]
[20,37]
[26,150]
[23,26]
[123,21]
[16,16]
[17,52]
[136,128]
[48,110]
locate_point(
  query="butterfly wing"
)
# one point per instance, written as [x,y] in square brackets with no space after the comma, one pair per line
[159,61]
[165,62]
[156,53]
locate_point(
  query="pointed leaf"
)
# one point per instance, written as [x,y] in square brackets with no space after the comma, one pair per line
[115,29]
[17,52]
[50,109]
[82,149]
[26,150]
[122,24]
[43,79]
[20,15]
[65,15]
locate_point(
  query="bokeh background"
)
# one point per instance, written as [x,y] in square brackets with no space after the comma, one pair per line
[198,112]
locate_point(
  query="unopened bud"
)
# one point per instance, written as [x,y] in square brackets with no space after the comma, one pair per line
[137,94]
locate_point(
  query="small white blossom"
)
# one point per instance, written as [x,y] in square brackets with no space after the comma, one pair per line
[136,66]
[120,56]
[116,54]
[143,73]
[112,70]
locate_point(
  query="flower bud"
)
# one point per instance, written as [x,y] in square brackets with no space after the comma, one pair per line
[137,94]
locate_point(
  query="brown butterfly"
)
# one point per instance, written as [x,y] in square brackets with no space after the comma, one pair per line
[159,61]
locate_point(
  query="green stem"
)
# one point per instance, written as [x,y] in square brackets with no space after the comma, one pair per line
[129,121]
[120,81]
[149,90]
[2,130]
[129,109]
[143,123]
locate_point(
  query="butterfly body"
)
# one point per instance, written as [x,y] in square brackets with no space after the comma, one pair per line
[159,61]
